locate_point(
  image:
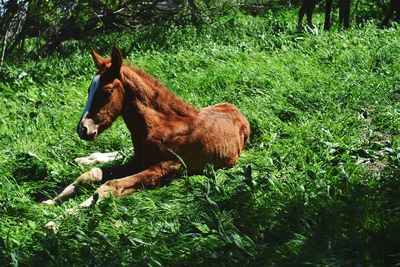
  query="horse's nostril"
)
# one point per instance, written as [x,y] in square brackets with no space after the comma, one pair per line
[87,130]
[84,130]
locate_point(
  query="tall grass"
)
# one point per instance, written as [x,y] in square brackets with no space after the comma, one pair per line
[318,184]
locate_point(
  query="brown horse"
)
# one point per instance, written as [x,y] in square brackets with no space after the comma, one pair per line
[167,133]
[307,7]
[394,7]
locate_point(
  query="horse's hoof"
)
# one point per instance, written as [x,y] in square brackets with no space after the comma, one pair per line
[72,211]
[311,28]
[52,226]
[49,202]
[98,157]
[299,27]
[83,161]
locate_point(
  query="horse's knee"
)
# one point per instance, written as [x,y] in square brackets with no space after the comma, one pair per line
[89,177]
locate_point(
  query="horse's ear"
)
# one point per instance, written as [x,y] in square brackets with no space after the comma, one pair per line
[98,60]
[116,60]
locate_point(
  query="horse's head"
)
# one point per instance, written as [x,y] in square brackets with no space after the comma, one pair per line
[105,96]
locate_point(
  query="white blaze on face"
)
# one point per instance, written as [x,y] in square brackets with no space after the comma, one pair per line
[93,88]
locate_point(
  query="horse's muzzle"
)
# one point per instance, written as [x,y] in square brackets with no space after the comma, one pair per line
[87,130]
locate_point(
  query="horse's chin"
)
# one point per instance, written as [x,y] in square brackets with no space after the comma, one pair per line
[89,138]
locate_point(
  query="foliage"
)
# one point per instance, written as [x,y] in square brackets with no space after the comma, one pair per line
[318,184]
[52,22]
[34,27]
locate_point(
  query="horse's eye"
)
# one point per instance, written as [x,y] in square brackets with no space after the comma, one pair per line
[107,93]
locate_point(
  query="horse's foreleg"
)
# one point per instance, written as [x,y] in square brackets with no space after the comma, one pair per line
[154,176]
[305,8]
[92,176]
[310,12]
[302,11]
[98,157]
[328,14]
[390,12]
[97,175]
[100,175]
[344,13]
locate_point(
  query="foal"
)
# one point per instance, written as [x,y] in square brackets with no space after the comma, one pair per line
[308,8]
[167,133]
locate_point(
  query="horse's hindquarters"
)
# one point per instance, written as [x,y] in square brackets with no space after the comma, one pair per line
[223,131]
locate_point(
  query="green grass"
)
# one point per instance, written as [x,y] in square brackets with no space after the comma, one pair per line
[318,184]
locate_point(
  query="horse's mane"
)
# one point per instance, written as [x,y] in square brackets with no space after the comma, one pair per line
[167,98]
[147,76]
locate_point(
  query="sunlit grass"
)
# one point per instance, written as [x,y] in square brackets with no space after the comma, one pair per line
[318,184]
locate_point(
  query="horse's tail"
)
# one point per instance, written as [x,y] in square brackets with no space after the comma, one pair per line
[245,131]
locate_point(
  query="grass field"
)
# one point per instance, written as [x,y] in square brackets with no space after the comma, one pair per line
[319,183]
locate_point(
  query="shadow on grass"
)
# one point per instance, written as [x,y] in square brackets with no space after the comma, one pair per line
[31,172]
[356,225]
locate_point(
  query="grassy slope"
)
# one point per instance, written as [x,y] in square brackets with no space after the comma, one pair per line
[318,184]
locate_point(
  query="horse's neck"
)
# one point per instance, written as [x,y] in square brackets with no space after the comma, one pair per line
[148,103]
